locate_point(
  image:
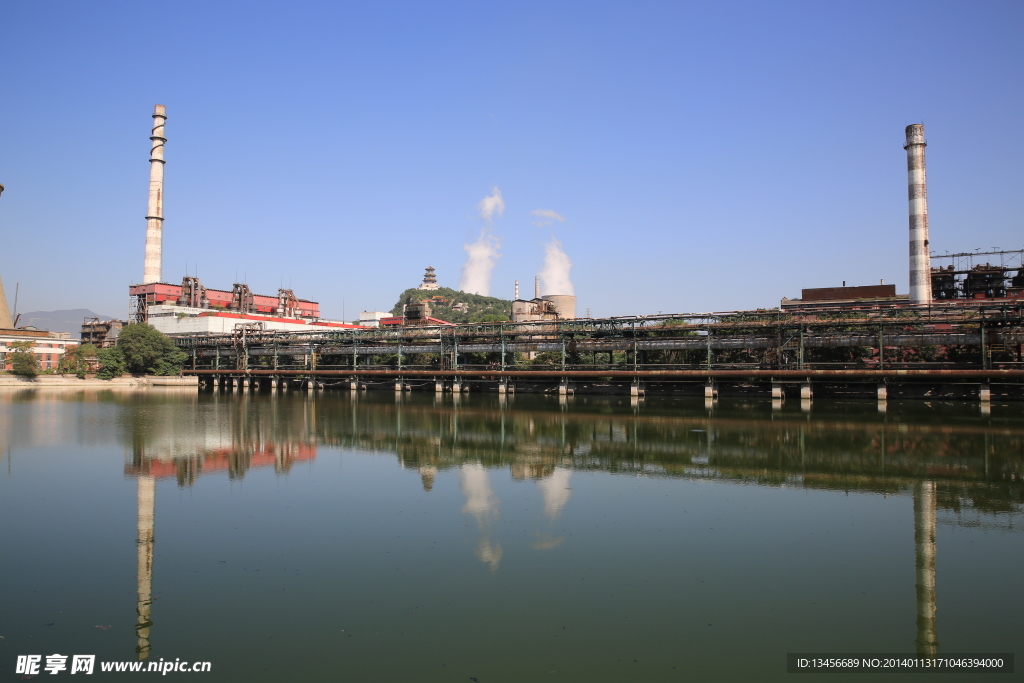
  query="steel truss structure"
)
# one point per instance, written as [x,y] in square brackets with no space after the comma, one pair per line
[945,338]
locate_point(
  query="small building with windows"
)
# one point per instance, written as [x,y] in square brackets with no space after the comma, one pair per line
[48,347]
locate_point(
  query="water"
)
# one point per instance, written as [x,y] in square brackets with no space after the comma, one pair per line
[370,537]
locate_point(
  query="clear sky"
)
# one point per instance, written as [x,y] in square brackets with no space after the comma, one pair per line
[705,156]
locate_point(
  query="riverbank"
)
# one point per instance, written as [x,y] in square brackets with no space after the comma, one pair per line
[135,381]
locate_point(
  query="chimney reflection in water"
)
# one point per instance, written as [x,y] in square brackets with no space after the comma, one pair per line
[924,551]
[144,543]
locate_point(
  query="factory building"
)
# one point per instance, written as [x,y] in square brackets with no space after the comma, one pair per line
[964,279]
[549,307]
[101,333]
[48,347]
[190,308]
[416,315]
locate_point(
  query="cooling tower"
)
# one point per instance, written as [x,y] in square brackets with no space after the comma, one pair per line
[565,304]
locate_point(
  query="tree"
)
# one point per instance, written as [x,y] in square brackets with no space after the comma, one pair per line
[76,360]
[111,363]
[478,308]
[147,350]
[23,361]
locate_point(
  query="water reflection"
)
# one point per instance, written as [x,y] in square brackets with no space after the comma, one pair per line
[483,505]
[144,546]
[924,552]
[954,466]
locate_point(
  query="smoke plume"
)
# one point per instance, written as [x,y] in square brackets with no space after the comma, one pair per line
[546,217]
[483,254]
[492,204]
[554,274]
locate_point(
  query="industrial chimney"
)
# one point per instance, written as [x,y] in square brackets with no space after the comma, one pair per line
[920,258]
[155,216]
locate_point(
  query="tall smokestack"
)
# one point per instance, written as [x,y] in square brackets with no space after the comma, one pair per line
[155,216]
[517,291]
[536,286]
[920,258]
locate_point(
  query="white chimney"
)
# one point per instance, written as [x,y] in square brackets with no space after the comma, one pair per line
[153,266]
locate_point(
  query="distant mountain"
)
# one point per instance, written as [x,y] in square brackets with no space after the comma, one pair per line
[59,321]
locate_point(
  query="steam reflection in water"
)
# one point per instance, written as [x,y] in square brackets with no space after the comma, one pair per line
[958,470]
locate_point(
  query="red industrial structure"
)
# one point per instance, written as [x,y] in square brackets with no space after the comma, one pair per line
[193,294]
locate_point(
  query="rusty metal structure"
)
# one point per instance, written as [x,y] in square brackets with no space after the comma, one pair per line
[749,352]
[967,276]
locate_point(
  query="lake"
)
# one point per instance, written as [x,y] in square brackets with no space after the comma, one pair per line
[418,537]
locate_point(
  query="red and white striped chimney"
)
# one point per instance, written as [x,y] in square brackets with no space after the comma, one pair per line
[917,192]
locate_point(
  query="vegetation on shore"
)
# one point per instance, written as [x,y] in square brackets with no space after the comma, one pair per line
[479,309]
[23,361]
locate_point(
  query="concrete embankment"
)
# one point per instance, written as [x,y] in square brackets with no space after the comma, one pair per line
[141,381]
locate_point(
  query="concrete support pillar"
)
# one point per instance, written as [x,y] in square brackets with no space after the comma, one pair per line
[273,383]
[353,385]
[636,390]
[564,389]
[882,391]
[777,391]
[456,387]
[984,393]
[244,383]
[710,390]
[398,386]
[438,386]
[805,390]
[502,387]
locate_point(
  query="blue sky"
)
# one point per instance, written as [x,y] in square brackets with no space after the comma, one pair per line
[706,156]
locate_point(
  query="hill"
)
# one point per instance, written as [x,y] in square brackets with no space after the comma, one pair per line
[480,308]
[59,321]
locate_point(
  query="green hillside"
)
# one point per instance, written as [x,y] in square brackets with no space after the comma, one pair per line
[481,308]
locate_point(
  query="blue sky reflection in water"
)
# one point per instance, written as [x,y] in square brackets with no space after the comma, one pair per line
[369,538]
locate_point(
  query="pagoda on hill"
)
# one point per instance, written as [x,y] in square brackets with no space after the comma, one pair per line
[429,279]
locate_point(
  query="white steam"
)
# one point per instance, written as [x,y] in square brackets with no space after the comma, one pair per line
[554,274]
[546,217]
[483,505]
[484,253]
[491,205]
